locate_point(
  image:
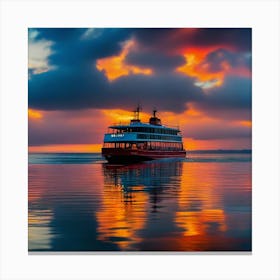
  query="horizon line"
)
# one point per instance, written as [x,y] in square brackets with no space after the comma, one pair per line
[199,150]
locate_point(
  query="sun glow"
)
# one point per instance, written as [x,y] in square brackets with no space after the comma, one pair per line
[66,148]
[34,114]
[245,123]
[123,116]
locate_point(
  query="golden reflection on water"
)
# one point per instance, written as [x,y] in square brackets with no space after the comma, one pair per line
[122,215]
[195,223]
[123,210]
[199,185]
[160,205]
[125,201]
[193,191]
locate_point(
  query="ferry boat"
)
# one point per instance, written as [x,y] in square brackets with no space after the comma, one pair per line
[139,141]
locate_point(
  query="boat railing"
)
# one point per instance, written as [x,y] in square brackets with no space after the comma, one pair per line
[129,123]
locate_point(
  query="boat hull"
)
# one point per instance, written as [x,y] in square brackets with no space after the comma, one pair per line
[119,155]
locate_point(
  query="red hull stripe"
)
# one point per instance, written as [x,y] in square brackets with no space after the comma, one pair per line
[142,153]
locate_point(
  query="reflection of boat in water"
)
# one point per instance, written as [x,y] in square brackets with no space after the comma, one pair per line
[162,205]
[159,173]
[151,177]
[138,141]
[132,195]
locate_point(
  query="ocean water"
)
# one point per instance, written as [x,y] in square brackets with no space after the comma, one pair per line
[78,202]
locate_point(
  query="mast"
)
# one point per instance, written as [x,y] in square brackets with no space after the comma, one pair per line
[137,114]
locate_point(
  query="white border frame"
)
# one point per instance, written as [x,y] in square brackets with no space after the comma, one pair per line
[262,16]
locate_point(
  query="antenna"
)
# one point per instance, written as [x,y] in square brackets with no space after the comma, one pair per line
[154,112]
[137,112]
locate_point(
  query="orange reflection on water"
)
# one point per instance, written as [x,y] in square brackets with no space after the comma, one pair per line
[196,223]
[200,207]
[122,214]
[170,205]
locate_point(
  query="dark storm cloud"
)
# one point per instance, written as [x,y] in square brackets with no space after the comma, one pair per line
[155,60]
[233,99]
[170,39]
[79,46]
[155,37]
[169,92]
[234,93]
[214,60]
[237,37]
[70,88]
[58,34]
[84,90]
[75,83]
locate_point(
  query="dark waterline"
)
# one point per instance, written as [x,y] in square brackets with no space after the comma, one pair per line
[78,202]
[192,156]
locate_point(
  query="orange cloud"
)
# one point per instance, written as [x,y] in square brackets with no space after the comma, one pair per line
[116,67]
[195,68]
[245,123]
[199,70]
[34,114]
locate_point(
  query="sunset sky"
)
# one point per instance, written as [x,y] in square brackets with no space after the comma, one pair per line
[82,80]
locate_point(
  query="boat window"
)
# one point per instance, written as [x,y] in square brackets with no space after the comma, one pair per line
[109,145]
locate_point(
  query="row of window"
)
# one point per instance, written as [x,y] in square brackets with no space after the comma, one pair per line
[166,146]
[148,130]
[158,137]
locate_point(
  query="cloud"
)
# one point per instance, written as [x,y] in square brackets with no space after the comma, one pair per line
[231,100]
[239,38]
[38,53]
[76,83]
[90,89]
[155,60]
[219,59]
[70,88]
[170,40]
[78,46]
[167,91]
